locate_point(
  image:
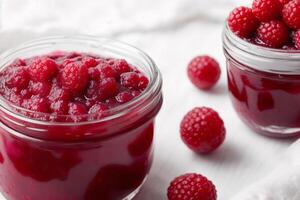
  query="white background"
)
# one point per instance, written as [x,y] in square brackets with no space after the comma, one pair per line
[172,33]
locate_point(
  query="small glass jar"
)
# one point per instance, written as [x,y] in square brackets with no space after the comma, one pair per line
[264,86]
[106,159]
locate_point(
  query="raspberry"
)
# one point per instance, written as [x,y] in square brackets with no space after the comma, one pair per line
[76,110]
[202,130]
[120,66]
[42,69]
[266,10]
[204,72]
[89,62]
[291,14]
[40,88]
[124,97]
[18,63]
[74,77]
[191,186]
[107,71]
[16,78]
[273,34]
[143,82]
[59,107]
[296,39]
[107,88]
[242,22]
[57,94]
[37,104]
[130,80]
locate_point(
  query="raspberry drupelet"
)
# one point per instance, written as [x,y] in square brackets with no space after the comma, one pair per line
[71,84]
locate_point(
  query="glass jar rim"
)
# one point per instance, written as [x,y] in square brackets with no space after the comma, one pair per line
[150,92]
[259,57]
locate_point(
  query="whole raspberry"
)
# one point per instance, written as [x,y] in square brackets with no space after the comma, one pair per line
[242,22]
[266,10]
[204,72]
[74,77]
[273,34]
[296,39]
[42,69]
[291,14]
[191,186]
[202,130]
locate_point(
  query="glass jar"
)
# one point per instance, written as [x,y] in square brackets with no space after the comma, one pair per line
[106,159]
[264,86]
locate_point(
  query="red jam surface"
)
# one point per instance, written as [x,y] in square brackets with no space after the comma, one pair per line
[73,84]
[60,162]
[265,101]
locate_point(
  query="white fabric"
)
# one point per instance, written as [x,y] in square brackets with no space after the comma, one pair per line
[172,32]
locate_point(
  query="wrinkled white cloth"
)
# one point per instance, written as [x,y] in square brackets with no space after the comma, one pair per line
[109,16]
[283,183]
[160,24]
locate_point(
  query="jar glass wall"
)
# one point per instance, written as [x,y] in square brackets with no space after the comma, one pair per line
[107,159]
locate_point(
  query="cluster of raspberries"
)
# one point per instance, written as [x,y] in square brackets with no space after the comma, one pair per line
[269,23]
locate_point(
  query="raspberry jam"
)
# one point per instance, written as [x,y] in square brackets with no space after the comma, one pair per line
[264,86]
[76,126]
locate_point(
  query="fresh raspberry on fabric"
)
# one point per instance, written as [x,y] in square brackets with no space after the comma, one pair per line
[74,77]
[202,130]
[204,72]
[242,22]
[42,69]
[266,10]
[296,38]
[273,34]
[291,14]
[191,186]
